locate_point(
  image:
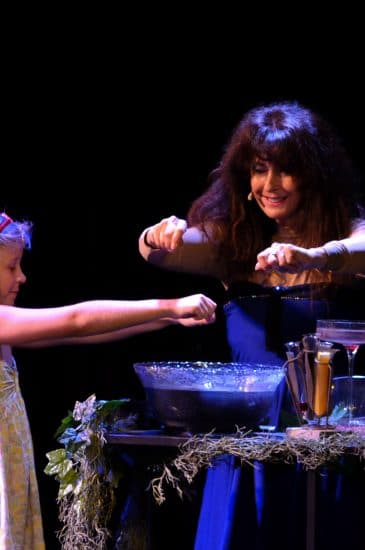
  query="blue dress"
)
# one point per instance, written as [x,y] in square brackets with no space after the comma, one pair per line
[264,507]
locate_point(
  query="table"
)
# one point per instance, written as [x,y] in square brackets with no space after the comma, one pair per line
[163,444]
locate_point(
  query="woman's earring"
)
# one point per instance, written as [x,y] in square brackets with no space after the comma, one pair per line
[250,196]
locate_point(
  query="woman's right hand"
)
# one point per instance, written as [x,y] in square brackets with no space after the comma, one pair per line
[167,234]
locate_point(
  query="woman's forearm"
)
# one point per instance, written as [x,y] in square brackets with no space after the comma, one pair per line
[343,256]
[195,255]
[346,255]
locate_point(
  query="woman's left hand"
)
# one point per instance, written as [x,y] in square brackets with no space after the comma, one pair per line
[289,258]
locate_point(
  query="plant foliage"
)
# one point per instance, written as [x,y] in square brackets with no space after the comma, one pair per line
[86,474]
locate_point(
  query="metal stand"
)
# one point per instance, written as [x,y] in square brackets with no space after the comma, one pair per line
[311,510]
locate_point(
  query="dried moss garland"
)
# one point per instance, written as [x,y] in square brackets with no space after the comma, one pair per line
[199,453]
[85,513]
[86,474]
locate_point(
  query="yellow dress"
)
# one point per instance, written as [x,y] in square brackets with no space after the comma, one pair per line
[20,514]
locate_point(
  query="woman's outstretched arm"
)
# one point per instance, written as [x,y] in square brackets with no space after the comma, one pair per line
[343,256]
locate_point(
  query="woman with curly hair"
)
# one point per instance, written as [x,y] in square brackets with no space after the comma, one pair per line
[279,225]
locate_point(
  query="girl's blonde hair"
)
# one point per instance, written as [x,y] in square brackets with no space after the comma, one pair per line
[15,232]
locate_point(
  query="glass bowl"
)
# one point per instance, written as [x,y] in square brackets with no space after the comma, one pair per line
[202,396]
[339,400]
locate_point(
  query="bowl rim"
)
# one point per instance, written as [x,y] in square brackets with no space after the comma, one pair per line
[346,377]
[208,365]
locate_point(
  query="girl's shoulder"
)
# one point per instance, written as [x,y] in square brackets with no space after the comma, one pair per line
[6,354]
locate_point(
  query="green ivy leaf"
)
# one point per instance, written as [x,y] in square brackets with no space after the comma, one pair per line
[66,422]
[56,456]
[58,465]
[69,484]
[107,407]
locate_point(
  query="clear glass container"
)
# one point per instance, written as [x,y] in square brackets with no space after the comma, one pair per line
[202,396]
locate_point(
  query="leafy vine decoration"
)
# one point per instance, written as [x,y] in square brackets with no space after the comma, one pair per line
[86,475]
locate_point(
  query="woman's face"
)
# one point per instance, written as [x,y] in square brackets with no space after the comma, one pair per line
[277,193]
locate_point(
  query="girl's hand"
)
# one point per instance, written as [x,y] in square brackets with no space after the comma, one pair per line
[197,307]
[196,322]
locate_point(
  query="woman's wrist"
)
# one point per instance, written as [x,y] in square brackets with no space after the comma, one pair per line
[145,240]
[336,254]
[319,258]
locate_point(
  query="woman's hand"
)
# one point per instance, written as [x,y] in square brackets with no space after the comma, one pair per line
[167,234]
[289,258]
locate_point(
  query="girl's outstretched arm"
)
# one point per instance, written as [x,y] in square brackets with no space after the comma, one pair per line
[123,333]
[21,326]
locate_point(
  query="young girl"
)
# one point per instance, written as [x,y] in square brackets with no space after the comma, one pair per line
[81,323]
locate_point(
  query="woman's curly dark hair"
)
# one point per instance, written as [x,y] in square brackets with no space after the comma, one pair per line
[299,142]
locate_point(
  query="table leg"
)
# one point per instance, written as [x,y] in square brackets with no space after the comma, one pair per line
[311,510]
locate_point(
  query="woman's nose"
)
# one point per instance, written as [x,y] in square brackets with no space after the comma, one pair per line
[273,180]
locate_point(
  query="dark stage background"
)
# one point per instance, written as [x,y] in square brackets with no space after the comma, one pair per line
[104,136]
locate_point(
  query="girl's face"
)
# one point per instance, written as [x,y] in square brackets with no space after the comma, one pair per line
[11,274]
[277,193]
